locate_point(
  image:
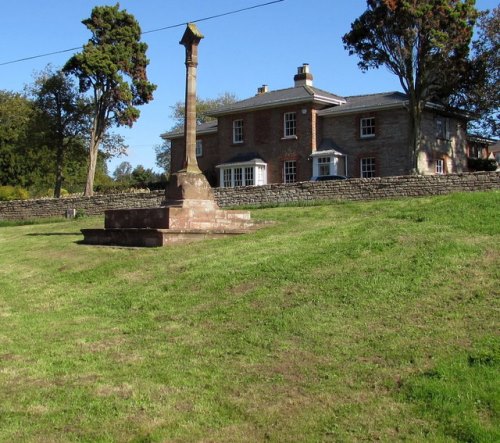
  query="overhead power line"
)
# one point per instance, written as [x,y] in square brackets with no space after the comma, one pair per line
[39,56]
[223,14]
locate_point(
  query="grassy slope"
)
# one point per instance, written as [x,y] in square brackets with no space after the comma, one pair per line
[353,321]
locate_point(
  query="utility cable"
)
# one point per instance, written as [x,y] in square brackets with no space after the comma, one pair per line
[223,14]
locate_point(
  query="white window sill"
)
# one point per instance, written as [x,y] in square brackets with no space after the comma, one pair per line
[290,137]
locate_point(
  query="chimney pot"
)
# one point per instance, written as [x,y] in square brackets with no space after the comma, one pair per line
[303,76]
[262,90]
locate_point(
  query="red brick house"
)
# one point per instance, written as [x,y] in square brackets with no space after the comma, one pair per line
[303,132]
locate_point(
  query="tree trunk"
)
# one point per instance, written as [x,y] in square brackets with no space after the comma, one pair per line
[59,169]
[414,138]
[59,174]
[93,151]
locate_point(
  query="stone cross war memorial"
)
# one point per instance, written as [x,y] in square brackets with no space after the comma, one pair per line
[189,211]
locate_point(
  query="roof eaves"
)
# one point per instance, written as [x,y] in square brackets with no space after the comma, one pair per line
[174,135]
[450,111]
[314,96]
[481,139]
[272,104]
[331,112]
[254,162]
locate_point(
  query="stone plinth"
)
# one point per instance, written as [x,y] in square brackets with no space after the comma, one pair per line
[151,237]
[187,220]
[189,189]
[176,217]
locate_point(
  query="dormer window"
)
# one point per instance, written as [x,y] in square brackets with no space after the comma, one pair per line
[237,131]
[367,127]
[290,125]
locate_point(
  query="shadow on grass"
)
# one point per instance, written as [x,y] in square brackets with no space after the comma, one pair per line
[49,234]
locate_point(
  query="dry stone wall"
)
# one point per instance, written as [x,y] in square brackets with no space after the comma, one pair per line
[96,205]
[352,189]
[359,189]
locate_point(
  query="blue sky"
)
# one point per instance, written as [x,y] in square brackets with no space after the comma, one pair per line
[238,54]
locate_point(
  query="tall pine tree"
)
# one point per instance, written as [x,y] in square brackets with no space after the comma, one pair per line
[112,67]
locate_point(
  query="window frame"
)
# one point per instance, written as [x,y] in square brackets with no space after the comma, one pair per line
[367,130]
[290,124]
[290,171]
[439,166]
[238,177]
[248,176]
[253,173]
[324,162]
[199,148]
[442,128]
[238,135]
[367,167]
[227,178]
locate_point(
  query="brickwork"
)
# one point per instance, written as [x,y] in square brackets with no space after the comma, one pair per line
[206,162]
[353,189]
[387,146]
[326,122]
[452,150]
[263,135]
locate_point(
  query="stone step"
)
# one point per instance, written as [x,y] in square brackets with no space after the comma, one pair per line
[176,218]
[152,237]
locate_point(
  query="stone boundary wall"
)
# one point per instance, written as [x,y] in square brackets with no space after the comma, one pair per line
[352,189]
[96,205]
[359,189]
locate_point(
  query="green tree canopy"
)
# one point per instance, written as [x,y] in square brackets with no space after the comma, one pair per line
[112,67]
[16,118]
[123,172]
[141,176]
[64,116]
[163,156]
[203,108]
[482,91]
[425,43]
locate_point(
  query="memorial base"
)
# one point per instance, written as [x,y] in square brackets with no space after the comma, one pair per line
[191,214]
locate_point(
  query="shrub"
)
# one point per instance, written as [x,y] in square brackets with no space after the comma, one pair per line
[13,193]
[122,187]
[481,164]
[80,213]
[113,188]
[47,193]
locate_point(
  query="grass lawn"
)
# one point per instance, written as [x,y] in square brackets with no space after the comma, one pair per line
[340,322]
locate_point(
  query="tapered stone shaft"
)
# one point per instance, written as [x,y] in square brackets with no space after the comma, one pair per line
[190,40]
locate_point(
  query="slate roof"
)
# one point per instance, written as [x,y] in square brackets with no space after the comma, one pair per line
[202,128]
[300,94]
[303,94]
[328,144]
[358,103]
[245,157]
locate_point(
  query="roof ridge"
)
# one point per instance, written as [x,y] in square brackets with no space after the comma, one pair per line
[376,93]
[306,87]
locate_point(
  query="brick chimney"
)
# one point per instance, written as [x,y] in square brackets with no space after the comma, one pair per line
[303,76]
[262,90]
